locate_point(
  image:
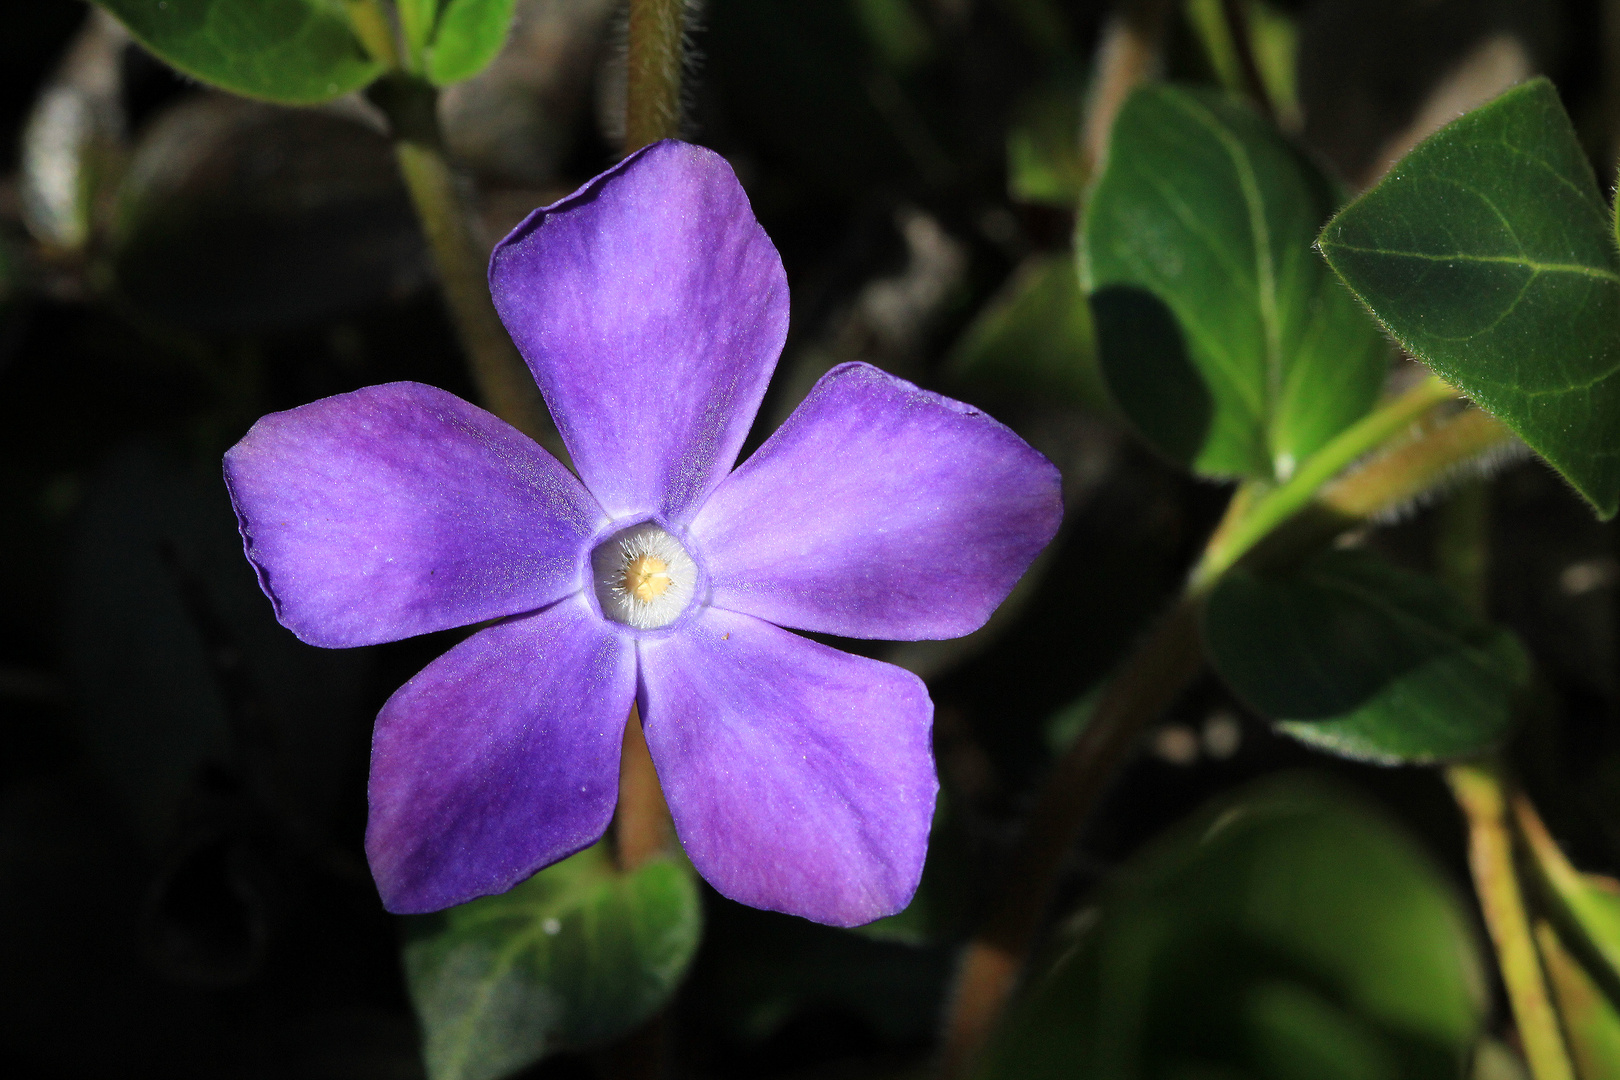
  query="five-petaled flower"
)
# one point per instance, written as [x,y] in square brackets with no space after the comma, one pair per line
[651,308]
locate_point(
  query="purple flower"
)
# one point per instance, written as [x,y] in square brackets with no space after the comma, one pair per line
[650,307]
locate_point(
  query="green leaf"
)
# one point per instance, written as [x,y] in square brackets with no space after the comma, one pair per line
[470,33]
[297,52]
[1287,931]
[1032,340]
[1222,335]
[1365,660]
[577,954]
[1487,252]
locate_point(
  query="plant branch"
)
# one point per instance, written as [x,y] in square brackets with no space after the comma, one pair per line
[653,88]
[1146,685]
[504,384]
[652,112]
[1479,791]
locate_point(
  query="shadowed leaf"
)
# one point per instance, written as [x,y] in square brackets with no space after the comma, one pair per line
[1365,660]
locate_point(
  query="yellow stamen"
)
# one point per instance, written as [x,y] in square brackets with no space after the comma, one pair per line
[646,577]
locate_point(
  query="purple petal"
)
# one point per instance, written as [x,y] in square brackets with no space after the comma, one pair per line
[651,308]
[879,510]
[800,778]
[499,758]
[400,509]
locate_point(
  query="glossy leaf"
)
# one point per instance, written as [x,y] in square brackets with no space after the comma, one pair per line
[297,52]
[1032,341]
[576,955]
[1222,335]
[470,33]
[1288,931]
[1487,252]
[1365,660]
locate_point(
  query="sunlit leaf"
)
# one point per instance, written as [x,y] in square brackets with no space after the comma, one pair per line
[470,33]
[297,52]
[1364,659]
[576,955]
[1487,252]
[1288,931]
[1223,336]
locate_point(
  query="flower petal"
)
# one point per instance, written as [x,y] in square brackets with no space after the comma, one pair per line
[800,778]
[651,308]
[401,509]
[879,510]
[499,758]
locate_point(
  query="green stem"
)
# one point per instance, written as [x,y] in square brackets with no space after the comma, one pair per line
[504,383]
[1479,791]
[1296,493]
[653,88]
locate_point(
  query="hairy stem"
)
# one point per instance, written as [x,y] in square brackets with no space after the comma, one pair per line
[1168,659]
[504,384]
[653,90]
[1479,791]
[1293,495]
[652,112]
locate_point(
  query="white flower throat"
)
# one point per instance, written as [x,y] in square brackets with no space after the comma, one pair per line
[644,577]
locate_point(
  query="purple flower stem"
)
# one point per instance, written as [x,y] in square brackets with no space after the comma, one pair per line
[641,821]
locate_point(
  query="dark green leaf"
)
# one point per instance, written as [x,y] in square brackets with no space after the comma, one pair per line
[1285,933]
[297,52]
[1487,252]
[470,33]
[1222,335]
[1032,341]
[577,954]
[1365,660]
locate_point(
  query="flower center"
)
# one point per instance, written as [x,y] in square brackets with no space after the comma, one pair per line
[644,577]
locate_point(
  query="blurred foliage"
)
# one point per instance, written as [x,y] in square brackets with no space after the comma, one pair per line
[1287,931]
